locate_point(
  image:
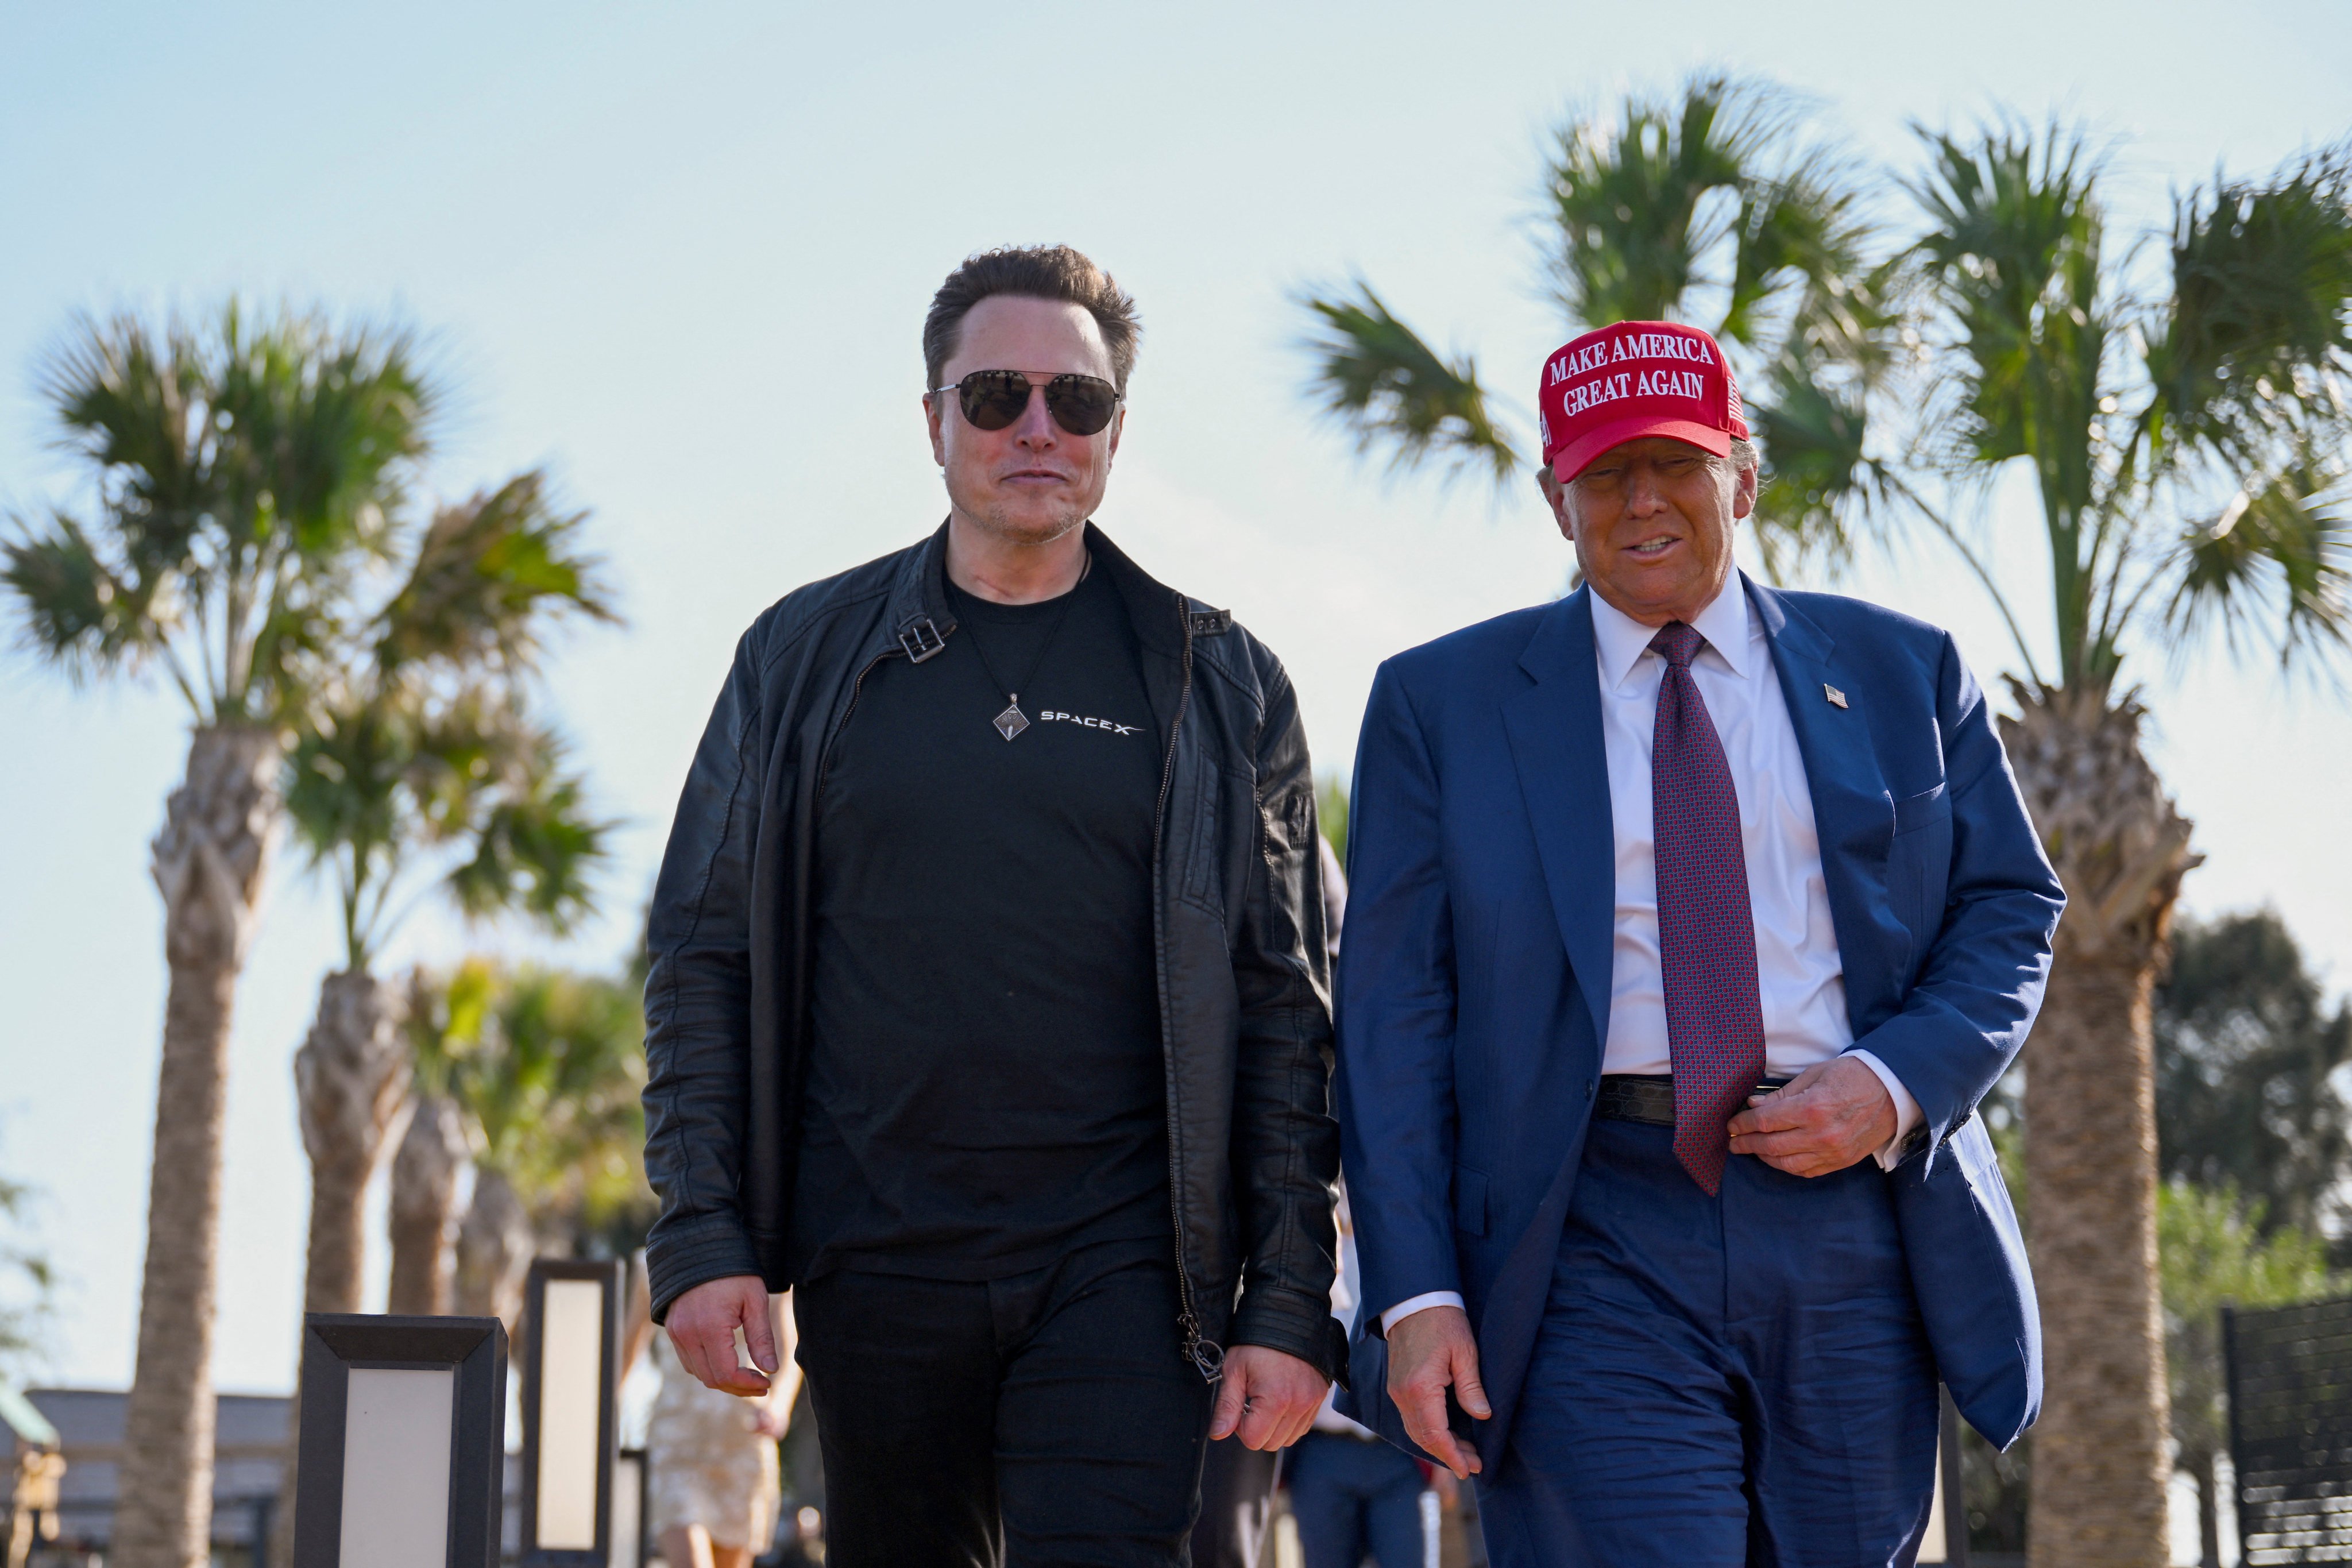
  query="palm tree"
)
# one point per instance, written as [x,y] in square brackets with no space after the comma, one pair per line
[240,476]
[421,760]
[2188,450]
[1717,206]
[435,1151]
[546,1067]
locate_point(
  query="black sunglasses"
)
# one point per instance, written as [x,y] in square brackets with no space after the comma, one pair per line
[993,399]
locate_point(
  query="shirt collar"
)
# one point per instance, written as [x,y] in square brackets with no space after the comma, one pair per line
[1727,623]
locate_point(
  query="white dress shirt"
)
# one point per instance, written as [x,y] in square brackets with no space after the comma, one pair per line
[1800,980]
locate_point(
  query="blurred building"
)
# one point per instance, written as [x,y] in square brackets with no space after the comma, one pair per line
[249,1460]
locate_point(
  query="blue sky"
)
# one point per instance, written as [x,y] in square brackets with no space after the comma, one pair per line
[680,256]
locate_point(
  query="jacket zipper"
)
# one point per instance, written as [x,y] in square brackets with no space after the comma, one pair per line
[1207,1355]
[825,759]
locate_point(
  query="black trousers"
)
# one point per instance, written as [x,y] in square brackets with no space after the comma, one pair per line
[1046,1418]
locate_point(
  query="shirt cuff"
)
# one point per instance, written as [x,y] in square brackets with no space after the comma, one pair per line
[1906,1109]
[1411,1304]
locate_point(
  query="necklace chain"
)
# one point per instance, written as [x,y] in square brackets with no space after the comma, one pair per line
[1012,721]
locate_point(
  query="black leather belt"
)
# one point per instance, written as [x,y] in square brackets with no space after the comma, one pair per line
[1647,1097]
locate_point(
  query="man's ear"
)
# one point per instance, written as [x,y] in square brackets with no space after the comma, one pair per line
[931,411]
[1562,504]
[1744,483]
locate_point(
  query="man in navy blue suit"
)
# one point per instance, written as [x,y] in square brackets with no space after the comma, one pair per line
[1691,920]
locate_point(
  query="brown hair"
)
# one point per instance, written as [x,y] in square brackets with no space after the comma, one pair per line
[1034,272]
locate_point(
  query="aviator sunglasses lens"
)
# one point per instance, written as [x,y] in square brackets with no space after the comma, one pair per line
[994,399]
[1082,405]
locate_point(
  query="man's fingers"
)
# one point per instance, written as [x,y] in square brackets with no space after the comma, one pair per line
[1425,1423]
[1466,1386]
[1765,1144]
[1232,1397]
[720,1369]
[760,1337]
[1777,1114]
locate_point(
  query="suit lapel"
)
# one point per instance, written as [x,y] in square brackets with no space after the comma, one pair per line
[1563,767]
[1853,815]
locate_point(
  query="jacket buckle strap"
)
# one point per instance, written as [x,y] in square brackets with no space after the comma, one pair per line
[1211,622]
[920,639]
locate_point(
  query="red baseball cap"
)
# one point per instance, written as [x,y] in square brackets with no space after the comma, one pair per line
[1631,380]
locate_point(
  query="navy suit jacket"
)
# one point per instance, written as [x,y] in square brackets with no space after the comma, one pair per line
[1473,986]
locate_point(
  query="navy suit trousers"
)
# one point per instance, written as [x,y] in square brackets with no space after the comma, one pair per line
[1720,1382]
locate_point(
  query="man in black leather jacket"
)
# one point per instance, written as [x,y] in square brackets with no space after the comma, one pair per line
[989,1008]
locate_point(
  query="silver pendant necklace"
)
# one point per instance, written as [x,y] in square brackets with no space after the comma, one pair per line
[1012,721]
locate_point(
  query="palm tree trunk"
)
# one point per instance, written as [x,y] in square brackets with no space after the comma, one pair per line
[494,1248]
[2101,1470]
[208,862]
[348,1078]
[346,1081]
[424,1202]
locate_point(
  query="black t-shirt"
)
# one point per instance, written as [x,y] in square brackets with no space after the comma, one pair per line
[986,1088]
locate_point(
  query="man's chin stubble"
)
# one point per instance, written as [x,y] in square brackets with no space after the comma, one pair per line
[999,522]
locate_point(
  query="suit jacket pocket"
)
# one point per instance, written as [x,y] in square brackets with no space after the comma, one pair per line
[1917,811]
[1469,1201]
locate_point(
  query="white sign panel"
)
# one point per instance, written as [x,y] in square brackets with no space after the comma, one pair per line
[571,1373]
[397,1429]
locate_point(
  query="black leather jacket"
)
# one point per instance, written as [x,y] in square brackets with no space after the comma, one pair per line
[1238,936]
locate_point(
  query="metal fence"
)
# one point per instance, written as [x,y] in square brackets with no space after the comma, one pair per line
[2290,1375]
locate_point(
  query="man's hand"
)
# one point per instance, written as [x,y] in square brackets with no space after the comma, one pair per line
[1830,1116]
[702,1325]
[1429,1352]
[1269,1397]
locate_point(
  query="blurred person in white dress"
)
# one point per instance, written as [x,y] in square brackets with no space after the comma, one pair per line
[713,1482]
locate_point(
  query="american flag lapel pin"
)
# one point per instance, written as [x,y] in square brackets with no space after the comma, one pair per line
[1837,698]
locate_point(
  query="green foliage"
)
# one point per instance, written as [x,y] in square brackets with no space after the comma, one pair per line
[1715,204]
[1382,382]
[547,1067]
[424,750]
[242,475]
[1331,813]
[2189,447]
[2246,1058]
[486,581]
[2214,1248]
[26,1280]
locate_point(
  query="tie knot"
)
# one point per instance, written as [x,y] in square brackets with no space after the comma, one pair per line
[1678,643]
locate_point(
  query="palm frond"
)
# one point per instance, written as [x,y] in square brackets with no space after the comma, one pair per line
[536,849]
[2276,566]
[2014,245]
[1803,236]
[79,611]
[1630,199]
[136,401]
[1820,487]
[244,469]
[488,577]
[2255,340]
[1377,379]
[324,423]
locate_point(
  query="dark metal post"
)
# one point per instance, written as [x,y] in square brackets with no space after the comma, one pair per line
[571,1429]
[403,1435]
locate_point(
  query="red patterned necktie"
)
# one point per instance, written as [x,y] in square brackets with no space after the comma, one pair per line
[1706,937]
